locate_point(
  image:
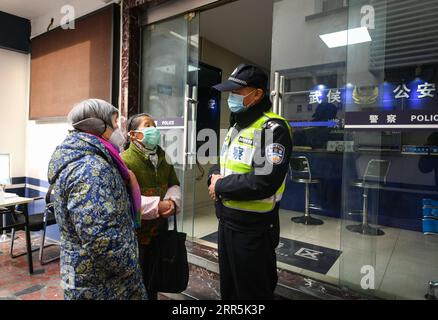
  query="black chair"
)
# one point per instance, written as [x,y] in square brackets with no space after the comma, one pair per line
[300,173]
[4,225]
[37,222]
[374,178]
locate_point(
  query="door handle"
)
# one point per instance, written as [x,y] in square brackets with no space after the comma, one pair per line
[190,107]
[280,96]
[193,101]
[275,93]
[186,125]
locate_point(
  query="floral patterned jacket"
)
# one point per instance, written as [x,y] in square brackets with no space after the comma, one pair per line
[99,250]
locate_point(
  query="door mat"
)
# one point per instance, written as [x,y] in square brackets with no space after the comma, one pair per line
[300,254]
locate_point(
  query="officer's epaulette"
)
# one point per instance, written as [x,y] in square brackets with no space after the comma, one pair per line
[271,124]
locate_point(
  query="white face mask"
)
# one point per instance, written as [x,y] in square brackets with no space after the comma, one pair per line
[117,138]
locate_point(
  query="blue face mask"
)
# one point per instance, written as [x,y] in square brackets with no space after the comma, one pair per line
[235,102]
[151,137]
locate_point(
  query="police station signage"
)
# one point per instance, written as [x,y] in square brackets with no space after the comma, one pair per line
[392,120]
[414,94]
[170,123]
[407,105]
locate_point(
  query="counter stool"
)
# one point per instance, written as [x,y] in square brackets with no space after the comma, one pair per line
[433,285]
[375,172]
[430,227]
[300,173]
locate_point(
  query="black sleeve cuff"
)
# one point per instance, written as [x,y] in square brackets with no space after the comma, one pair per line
[214,170]
[217,188]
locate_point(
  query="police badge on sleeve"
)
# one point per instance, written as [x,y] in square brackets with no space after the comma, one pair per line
[275,153]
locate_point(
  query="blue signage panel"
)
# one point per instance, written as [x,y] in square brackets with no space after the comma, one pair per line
[407,105]
[415,95]
[392,120]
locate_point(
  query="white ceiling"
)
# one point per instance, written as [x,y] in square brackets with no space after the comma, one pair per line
[243,27]
[31,9]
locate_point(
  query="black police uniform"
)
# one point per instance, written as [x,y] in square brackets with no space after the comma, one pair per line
[247,240]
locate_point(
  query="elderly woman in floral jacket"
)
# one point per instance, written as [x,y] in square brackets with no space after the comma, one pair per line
[97,207]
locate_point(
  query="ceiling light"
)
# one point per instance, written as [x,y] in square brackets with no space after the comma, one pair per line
[173,33]
[346,37]
[193,38]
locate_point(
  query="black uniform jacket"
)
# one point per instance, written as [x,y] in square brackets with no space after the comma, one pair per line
[255,186]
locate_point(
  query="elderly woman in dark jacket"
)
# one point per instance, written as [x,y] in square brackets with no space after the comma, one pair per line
[159,185]
[97,208]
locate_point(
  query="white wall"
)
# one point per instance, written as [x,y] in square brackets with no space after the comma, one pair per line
[30,143]
[359,55]
[14,71]
[41,140]
[296,42]
[227,61]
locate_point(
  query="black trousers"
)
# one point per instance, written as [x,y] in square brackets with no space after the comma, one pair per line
[247,263]
[146,254]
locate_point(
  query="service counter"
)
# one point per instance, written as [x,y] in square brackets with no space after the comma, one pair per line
[410,179]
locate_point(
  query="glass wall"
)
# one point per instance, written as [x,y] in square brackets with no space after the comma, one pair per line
[389,181]
[357,81]
[311,91]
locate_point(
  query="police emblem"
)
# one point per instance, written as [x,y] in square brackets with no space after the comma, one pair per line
[275,153]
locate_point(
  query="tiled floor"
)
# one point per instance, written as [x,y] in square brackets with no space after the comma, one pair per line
[15,281]
[404,261]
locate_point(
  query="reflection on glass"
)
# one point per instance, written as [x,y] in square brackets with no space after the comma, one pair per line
[356,100]
[390,111]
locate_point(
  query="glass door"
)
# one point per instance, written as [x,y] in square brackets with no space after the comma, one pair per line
[169,82]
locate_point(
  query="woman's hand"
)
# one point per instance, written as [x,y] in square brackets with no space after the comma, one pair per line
[170,205]
[163,206]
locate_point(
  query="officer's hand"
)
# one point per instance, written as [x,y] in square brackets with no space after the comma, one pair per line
[211,188]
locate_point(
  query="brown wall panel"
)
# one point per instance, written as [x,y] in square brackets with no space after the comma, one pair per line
[71,65]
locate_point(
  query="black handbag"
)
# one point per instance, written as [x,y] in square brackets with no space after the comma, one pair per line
[170,268]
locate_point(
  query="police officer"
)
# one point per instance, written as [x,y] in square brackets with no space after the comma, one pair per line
[248,185]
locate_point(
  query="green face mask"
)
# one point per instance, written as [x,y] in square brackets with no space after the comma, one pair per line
[151,137]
